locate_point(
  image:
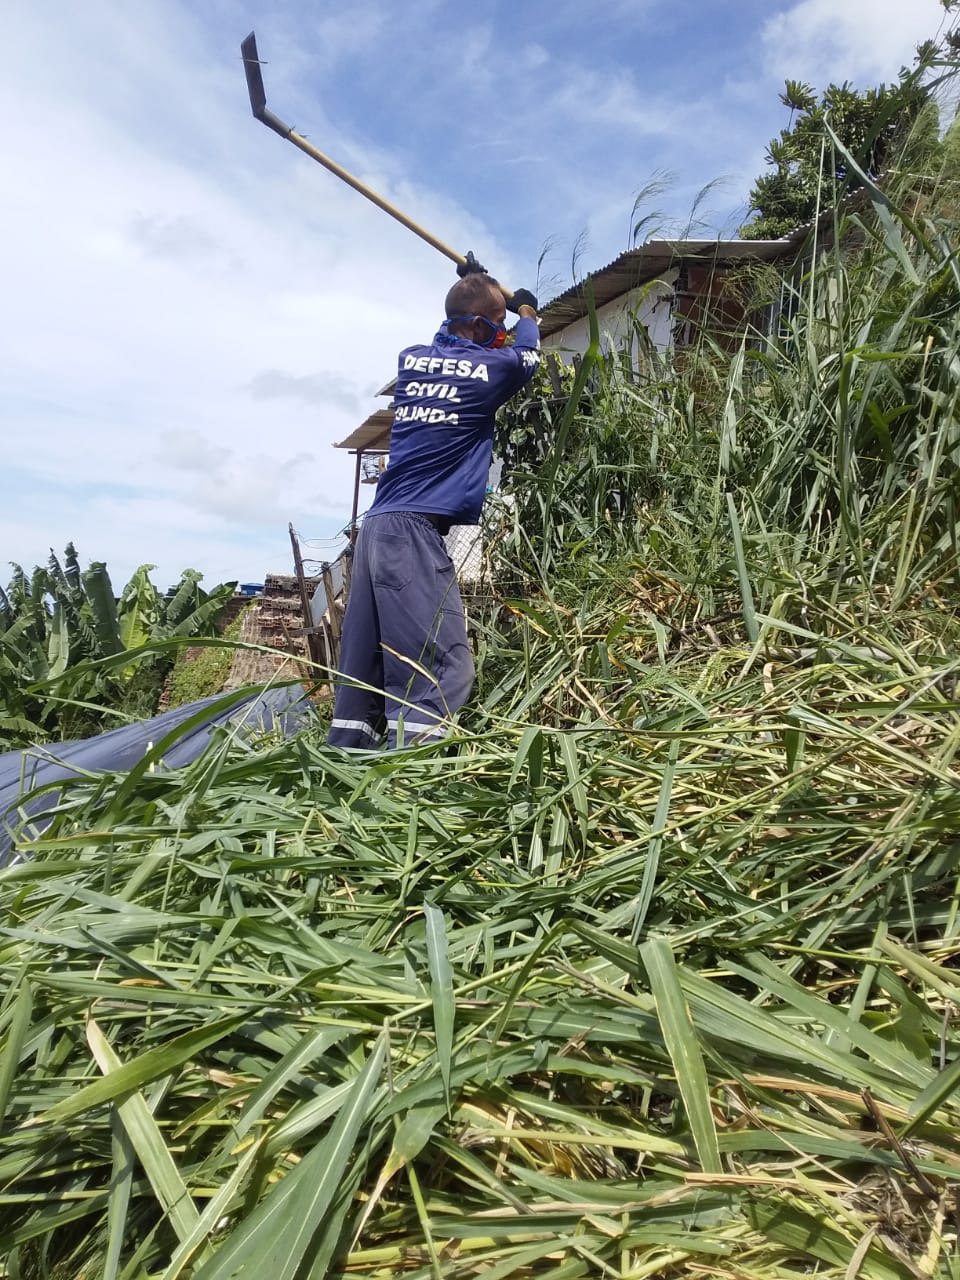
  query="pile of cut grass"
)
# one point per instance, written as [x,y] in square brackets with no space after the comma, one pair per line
[670,998]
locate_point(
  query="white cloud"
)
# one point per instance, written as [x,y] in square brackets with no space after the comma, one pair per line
[189,451]
[621,101]
[534,56]
[251,490]
[315,388]
[864,41]
[262,489]
[180,238]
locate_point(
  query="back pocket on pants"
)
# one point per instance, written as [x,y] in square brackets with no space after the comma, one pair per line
[392,562]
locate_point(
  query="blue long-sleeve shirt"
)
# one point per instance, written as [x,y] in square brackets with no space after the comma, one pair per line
[444,405]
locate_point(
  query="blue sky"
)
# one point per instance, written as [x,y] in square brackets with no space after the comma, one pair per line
[194,311]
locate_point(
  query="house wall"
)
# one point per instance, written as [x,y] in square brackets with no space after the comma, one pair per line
[651,304]
[712,301]
[723,301]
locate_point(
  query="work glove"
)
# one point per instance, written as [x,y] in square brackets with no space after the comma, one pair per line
[469,267]
[521,298]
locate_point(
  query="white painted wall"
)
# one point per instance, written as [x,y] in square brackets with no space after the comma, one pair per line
[652,304]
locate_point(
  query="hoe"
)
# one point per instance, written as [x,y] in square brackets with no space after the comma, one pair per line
[258,104]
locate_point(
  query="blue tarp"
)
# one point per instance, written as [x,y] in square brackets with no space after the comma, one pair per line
[285,709]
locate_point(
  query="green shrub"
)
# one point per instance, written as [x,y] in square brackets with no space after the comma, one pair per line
[200,673]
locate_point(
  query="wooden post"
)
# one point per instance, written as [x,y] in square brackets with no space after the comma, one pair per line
[356,497]
[312,647]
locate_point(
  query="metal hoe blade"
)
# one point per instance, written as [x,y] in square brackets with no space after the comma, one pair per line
[258,95]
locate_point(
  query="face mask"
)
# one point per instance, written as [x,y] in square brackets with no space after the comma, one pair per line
[498,332]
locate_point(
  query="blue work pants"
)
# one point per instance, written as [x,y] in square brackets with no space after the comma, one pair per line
[405,662]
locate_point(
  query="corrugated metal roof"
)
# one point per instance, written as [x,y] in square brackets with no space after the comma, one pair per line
[639,266]
[372,436]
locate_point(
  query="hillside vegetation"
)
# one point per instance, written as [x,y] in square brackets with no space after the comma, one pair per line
[654,971]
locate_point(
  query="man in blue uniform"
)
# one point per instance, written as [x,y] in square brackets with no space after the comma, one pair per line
[405,658]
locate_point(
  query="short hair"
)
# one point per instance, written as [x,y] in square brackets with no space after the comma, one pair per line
[474,295]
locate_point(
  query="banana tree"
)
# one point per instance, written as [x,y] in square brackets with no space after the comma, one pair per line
[59,619]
